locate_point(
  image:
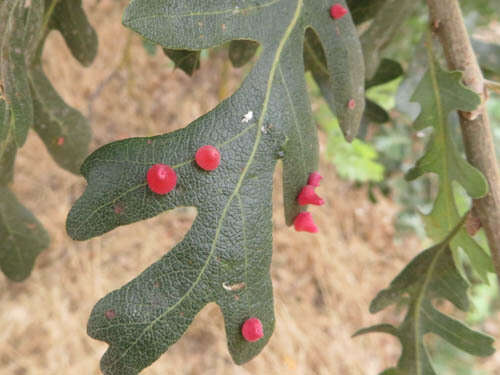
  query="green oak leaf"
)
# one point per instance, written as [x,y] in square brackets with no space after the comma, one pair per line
[431,275]
[187,61]
[8,146]
[225,257]
[13,72]
[70,20]
[242,51]
[439,93]
[23,237]
[65,131]
[315,62]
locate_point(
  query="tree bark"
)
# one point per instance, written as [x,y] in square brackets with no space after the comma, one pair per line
[447,22]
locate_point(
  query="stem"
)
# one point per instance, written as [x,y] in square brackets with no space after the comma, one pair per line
[447,22]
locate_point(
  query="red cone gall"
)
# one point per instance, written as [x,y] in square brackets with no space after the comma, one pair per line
[161,178]
[308,196]
[304,222]
[351,104]
[60,141]
[252,330]
[207,157]
[314,179]
[337,11]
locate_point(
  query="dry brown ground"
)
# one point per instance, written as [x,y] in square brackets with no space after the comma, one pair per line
[323,283]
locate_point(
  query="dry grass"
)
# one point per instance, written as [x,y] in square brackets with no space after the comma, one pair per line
[323,283]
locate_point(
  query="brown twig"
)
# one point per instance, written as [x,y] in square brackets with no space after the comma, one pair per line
[447,22]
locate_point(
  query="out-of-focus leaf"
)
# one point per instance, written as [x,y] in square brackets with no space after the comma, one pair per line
[375,113]
[356,161]
[13,72]
[80,37]
[8,147]
[22,237]
[390,17]
[439,93]
[488,55]
[364,10]
[387,71]
[65,131]
[187,61]
[430,275]
[242,51]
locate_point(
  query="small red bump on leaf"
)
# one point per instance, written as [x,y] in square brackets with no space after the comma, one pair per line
[110,314]
[308,196]
[337,11]
[252,330]
[314,179]
[208,157]
[161,178]
[351,104]
[304,222]
[60,141]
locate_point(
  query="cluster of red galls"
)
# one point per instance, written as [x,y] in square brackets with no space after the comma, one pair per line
[162,179]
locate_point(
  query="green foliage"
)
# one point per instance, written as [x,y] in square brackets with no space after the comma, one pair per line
[439,93]
[230,242]
[29,100]
[242,51]
[188,61]
[356,161]
[23,237]
[429,276]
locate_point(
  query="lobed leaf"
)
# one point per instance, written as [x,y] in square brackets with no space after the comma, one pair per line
[440,93]
[23,237]
[13,71]
[65,131]
[70,20]
[431,275]
[226,255]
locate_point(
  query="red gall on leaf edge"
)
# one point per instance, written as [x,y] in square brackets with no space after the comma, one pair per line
[207,157]
[314,179]
[308,196]
[252,330]
[337,11]
[161,178]
[304,222]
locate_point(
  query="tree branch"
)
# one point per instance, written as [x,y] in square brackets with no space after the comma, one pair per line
[447,22]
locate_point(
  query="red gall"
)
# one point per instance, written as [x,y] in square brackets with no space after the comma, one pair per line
[304,222]
[308,196]
[161,178]
[337,11]
[252,330]
[207,157]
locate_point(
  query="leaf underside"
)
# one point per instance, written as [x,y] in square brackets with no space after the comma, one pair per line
[431,275]
[439,93]
[29,100]
[230,243]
